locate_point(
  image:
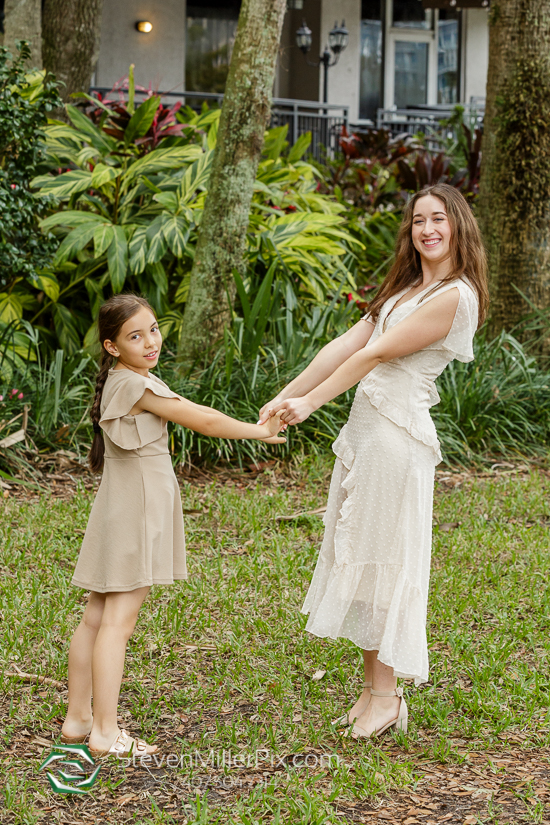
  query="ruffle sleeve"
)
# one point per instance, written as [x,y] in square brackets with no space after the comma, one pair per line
[122,391]
[459,340]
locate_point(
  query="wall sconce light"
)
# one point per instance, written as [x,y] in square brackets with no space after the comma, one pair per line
[144,26]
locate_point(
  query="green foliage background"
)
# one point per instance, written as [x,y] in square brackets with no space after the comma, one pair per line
[119,195]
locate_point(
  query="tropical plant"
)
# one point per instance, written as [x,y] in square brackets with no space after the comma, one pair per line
[466,149]
[500,403]
[127,212]
[377,171]
[364,174]
[56,393]
[25,100]
[156,122]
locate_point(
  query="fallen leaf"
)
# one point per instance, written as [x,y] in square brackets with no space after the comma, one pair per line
[12,439]
[45,743]
[123,800]
[447,526]
[318,675]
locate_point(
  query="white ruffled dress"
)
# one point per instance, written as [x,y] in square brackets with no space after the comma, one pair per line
[371,581]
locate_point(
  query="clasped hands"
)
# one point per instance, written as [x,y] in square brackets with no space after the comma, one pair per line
[292,410]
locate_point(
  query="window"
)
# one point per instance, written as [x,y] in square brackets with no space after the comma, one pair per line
[370,84]
[411,73]
[448,40]
[210,37]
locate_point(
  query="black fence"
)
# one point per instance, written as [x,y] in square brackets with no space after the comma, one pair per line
[323,120]
[429,120]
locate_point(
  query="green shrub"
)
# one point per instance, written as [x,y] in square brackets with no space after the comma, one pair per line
[497,405]
[500,403]
[127,210]
[25,100]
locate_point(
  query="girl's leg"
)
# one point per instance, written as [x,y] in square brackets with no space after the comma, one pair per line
[381,709]
[78,721]
[117,625]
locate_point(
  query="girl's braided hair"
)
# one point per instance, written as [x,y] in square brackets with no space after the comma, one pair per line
[112,315]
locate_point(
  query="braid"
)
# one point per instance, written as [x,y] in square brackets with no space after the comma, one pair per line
[98,445]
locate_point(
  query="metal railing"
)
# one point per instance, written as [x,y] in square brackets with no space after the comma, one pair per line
[323,120]
[428,120]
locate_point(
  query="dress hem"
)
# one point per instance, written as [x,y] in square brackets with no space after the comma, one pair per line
[127,587]
[418,679]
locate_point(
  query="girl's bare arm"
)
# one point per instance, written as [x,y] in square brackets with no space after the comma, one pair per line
[206,420]
[425,326]
[327,360]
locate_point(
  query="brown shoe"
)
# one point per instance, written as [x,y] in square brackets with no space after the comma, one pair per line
[73,740]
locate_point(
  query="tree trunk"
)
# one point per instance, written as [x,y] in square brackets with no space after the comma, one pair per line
[70,42]
[514,200]
[22,22]
[221,245]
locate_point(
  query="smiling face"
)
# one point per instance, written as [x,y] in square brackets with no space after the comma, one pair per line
[431,230]
[137,345]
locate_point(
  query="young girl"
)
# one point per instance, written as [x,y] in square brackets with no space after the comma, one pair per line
[371,580]
[134,537]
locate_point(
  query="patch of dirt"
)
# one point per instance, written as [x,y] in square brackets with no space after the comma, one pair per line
[507,784]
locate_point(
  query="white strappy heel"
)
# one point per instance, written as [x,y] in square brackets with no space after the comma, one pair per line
[399,723]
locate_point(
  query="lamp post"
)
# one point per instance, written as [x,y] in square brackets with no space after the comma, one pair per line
[337,40]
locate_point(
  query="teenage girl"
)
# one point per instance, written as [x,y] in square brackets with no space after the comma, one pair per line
[135,536]
[370,584]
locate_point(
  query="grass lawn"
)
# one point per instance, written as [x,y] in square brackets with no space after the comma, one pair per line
[221,673]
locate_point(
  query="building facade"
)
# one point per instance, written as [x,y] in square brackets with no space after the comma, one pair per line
[400,53]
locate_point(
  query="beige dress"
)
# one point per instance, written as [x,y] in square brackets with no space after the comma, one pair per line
[134,536]
[371,581]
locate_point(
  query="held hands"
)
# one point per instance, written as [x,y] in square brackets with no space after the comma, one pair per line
[266,410]
[272,427]
[291,411]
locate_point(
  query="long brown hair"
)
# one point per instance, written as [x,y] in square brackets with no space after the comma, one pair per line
[112,315]
[468,256]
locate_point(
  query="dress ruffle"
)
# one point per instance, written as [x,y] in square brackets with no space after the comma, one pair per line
[132,431]
[343,544]
[345,598]
[417,423]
